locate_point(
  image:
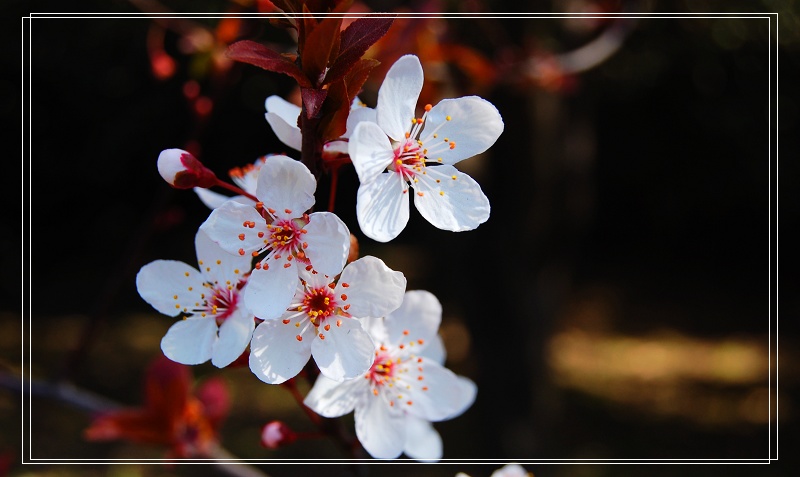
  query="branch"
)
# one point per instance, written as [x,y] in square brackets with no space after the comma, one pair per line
[90,402]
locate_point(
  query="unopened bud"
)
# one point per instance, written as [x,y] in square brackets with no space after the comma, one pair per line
[276,434]
[182,170]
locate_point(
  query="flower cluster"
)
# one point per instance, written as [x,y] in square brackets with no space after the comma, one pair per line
[276,282]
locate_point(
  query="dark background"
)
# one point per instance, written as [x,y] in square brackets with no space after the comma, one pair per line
[615,306]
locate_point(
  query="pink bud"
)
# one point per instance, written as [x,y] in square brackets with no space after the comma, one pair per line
[277,434]
[183,171]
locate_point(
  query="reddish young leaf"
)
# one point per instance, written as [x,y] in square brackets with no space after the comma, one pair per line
[313,100]
[259,55]
[319,45]
[288,6]
[356,40]
[357,76]
[334,112]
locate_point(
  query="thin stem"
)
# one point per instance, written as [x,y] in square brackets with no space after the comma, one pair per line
[236,190]
[332,196]
[292,387]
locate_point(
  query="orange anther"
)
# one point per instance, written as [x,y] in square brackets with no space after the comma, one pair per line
[286,322]
[375,391]
[259,205]
[327,327]
[298,338]
[405,332]
[287,265]
[428,107]
[420,341]
[419,378]
[424,388]
[261,235]
[255,253]
[241,251]
[346,307]
[338,322]
[452,145]
[345,285]
[271,211]
[420,194]
[321,336]
[241,236]
[288,211]
[344,297]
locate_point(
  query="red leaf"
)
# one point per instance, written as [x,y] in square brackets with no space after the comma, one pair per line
[357,76]
[319,44]
[259,55]
[356,40]
[335,112]
[312,100]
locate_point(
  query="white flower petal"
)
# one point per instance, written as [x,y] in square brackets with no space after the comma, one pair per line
[234,336]
[328,242]
[397,96]
[370,151]
[282,117]
[190,341]
[358,115]
[212,199]
[418,317]
[224,226]
[286,133]
[475,124]
[216,264]
[511,470]
[330,398]
[287,111]
[373,288]
[159,282]
[286,184]
[382,207]
[423,443]
[381,431]
[465,397]
[446,396]
[275,353]
[346,352]
[452,204]
[376,328]
[269,292]
[433,350]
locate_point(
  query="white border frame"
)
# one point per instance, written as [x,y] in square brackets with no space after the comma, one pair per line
[773,274]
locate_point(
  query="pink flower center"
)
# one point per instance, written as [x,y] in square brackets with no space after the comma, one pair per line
[409,159]
[221,303]
[319,304]
[383,369]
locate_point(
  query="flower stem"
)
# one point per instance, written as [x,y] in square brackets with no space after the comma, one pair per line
[332,196]
[236,190]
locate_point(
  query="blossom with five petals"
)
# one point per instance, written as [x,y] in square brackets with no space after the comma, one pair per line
[218,326]
[398,149]
[325,321]
[406,388]
[279,226]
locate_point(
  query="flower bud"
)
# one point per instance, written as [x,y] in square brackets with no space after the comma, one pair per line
[183,171]
[276,434]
